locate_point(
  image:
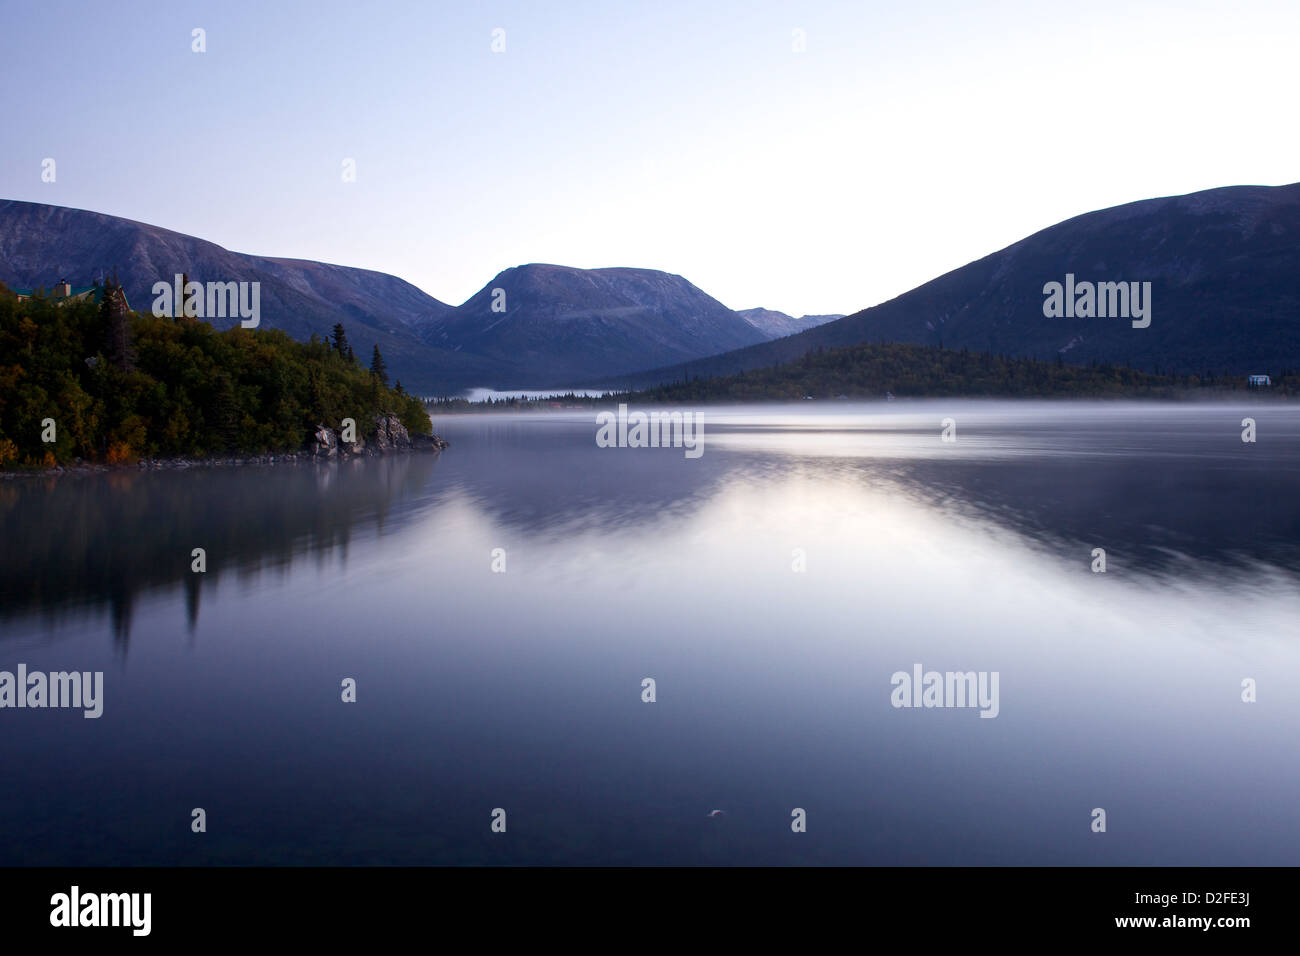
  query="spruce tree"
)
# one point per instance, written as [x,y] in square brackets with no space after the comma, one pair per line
[377,367]
[118,347]
[340,340]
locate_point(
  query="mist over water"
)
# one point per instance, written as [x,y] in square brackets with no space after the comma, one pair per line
[484,394]
[522,689]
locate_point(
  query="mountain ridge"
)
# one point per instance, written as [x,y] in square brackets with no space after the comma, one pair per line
[1224,265]
[558,323]
[778,324]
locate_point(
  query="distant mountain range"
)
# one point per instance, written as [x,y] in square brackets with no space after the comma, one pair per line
[558,324]
[775,325]
[1224,268]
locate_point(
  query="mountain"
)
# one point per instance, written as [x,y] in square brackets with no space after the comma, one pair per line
[554,324]
[775,325]
[559,324]
[40,244]
[1224,268]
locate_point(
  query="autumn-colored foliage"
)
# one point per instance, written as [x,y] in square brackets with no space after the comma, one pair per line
[188,389]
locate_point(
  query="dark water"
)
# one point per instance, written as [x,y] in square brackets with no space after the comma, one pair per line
[522,690]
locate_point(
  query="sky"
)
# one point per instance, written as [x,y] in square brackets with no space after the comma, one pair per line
[903,140]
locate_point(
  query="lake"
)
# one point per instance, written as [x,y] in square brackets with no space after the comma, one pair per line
[499,606]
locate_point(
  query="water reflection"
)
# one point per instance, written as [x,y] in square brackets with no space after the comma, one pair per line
[522,689]
[1166,490]
[78,544]
[1162,488]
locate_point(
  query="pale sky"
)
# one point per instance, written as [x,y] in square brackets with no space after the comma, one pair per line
[907,139]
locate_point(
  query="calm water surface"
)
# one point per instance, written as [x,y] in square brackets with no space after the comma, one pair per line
[522,689]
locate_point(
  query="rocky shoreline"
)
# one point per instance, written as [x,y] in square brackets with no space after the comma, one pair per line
[326,444]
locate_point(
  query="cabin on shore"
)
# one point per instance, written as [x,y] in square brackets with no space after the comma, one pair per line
[63,292]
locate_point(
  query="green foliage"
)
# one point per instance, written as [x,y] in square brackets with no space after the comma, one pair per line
[339,339]
[190,391]
[377,367]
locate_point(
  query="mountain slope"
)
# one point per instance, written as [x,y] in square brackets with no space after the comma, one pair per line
[555,324]
[1224,268]
[40,244]
[560,324]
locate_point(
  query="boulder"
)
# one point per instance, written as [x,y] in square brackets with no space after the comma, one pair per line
[391,434]
[324,443]
[427,443]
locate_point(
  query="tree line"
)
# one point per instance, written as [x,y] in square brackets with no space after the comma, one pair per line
[118,386]
[917,371]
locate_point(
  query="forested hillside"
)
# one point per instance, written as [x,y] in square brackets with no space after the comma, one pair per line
[110,385]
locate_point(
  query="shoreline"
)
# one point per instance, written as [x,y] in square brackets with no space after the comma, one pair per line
[1188,397]
[423,444]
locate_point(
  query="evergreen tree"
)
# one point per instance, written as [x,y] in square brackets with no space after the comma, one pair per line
[377,367]
[118,347]
[340,340]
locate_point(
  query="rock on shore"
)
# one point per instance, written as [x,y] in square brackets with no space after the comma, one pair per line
[389,436]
